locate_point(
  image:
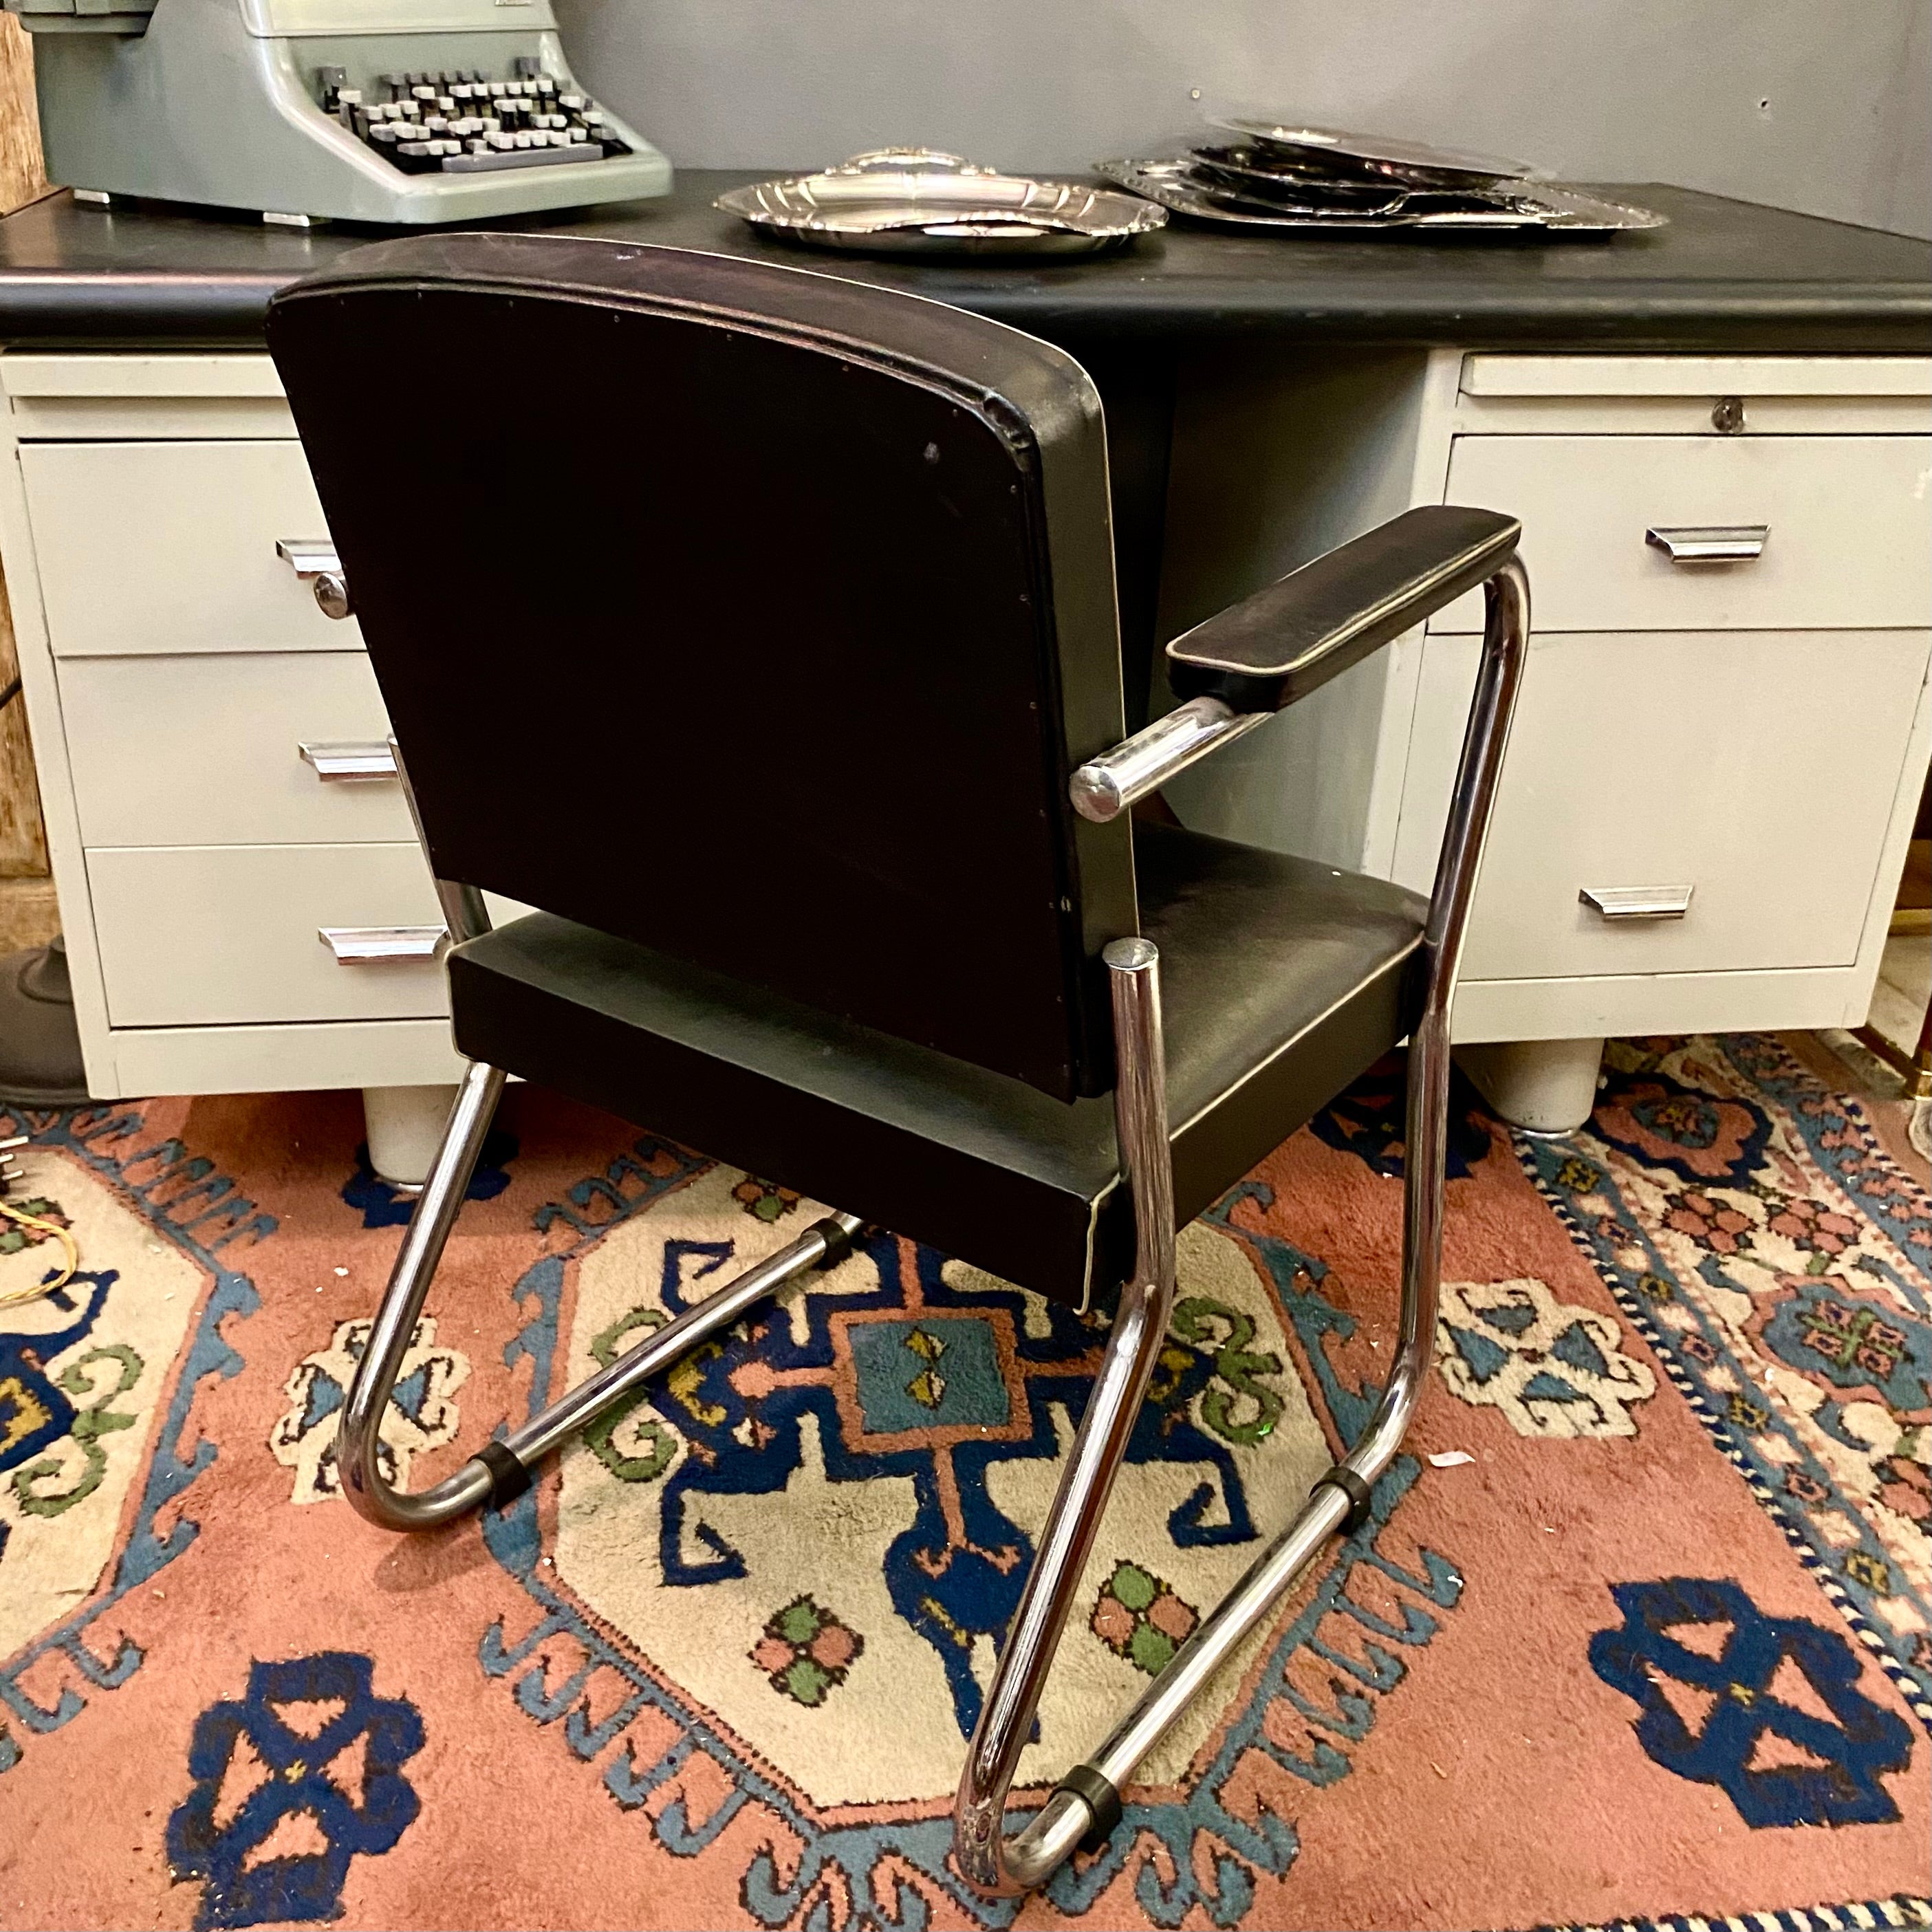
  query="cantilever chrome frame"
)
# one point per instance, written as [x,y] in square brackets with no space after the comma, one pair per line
[1085,1807]
[501,1470]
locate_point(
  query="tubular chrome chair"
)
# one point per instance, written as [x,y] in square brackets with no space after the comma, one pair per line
[760,626]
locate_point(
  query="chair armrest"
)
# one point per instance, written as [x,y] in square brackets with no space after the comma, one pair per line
[1238,669]
[1277,646]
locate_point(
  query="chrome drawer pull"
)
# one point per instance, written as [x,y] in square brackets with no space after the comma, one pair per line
[308,556]
[373,945]
[313,559]
[1712,543]
[350,762]
[1622,902]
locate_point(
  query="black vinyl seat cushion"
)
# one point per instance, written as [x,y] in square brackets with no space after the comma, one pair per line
[1282,980]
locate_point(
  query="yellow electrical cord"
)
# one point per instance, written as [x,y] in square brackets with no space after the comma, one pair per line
[61,1234]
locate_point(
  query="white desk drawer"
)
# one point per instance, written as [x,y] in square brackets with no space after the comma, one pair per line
[1849,520]
[1758,768]
[202,935]
[206,751]
[90,396]
[1755,378]
[164,547]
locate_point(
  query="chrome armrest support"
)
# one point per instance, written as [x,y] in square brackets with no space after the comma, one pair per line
[1084,1808]
[1275,648]
[1478,773]
[1104,787]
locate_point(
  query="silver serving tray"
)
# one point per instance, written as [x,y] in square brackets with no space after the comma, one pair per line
[1248,169]
[1521,207]
[916,201]
[1379,157]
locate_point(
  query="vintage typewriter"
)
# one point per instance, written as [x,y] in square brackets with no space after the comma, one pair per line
[403,111]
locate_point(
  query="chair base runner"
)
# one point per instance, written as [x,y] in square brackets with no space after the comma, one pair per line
[501,1471]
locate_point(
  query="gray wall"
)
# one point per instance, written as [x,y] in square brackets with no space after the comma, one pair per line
[1821,105]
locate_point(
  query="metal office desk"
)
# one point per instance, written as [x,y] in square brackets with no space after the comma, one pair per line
[1265,397]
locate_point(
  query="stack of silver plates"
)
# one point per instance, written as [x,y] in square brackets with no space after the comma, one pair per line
[1267,174]
[915,201]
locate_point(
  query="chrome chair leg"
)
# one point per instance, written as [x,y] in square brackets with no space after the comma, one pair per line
[501,1470]
[358,1440]
[1085,1808]
[986,1856]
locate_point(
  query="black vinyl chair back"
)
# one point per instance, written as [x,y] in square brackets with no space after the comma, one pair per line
[755,615]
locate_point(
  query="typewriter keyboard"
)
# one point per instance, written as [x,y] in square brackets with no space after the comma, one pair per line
[466,123]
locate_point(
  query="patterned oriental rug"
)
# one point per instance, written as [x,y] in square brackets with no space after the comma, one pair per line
[1640,1632]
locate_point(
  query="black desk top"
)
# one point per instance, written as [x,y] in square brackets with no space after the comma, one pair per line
[1724,276]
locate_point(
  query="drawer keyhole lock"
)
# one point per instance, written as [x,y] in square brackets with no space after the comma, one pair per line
[1727,415]
[331,594]
[314,561]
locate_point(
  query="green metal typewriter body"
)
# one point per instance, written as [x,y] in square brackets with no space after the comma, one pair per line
[390,111]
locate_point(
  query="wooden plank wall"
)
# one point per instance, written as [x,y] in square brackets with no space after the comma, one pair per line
[28,915]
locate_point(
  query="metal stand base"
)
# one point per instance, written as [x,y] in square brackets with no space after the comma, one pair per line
[1542,1086]
[405,1126]
[40,1062]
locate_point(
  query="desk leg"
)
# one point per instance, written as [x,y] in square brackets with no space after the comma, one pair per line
[1542,1086]
[405,1127]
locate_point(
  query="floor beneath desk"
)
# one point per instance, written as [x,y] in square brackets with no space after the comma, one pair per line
[1648,1605]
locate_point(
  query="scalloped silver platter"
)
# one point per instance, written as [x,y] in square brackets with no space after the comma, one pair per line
[1541,207]
[1356,156]
[916,202]
[1568,211]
